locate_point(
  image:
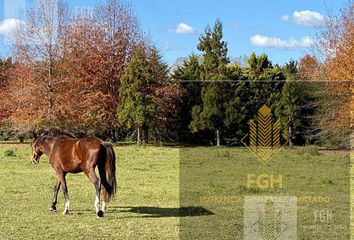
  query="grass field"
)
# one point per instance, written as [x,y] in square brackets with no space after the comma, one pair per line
[147,180]
[217,179]
[172,193]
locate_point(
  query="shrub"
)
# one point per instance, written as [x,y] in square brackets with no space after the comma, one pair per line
[9,153]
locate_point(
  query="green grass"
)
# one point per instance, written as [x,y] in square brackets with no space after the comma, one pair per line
[147,179]
[160,191]
[223,173]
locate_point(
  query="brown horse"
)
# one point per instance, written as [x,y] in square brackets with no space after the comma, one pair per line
[69,155]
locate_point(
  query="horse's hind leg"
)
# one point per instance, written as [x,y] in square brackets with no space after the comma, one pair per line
[55,197]
[105,199]
[96,182]
[61,177]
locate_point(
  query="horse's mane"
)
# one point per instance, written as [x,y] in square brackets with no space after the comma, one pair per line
[41,139]
[43,136]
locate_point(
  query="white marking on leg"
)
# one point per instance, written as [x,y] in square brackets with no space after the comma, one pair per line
[66,207]
[97,203]
[103,206]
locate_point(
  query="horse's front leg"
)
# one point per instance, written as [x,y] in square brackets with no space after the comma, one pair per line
[96,182]
[55,197]
[65,191]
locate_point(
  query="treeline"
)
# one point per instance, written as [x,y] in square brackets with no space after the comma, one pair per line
[219,98]
[67,69]
[97,74]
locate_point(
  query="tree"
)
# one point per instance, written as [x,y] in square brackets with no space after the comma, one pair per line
[186,74]
[214,52]
[291,69]
[5,65]
[309,68]
[336,43]
[122,35]
[38,76]
[5,104]
[258,64]
[210,115]
[289,109]
[167,97]
[265,83]
[136,107]
[99,50]
[68,68]
[235,106]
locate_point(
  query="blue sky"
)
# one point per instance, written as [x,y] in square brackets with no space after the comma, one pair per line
[282,29]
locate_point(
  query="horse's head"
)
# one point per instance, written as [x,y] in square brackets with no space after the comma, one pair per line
[36,151]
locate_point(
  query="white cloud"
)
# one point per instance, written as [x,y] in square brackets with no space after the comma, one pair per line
[183,28]
[9,25]
[306,18]
[274,42]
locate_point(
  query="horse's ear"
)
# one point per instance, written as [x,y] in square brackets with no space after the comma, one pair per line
[34,135]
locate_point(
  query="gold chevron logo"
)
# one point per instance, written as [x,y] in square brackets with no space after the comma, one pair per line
[264,137]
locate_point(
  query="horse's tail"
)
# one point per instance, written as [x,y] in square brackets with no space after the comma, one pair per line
[107,170]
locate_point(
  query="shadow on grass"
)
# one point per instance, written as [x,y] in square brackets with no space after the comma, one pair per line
[165,212]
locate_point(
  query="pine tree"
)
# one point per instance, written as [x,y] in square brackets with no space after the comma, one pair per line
[265,85]
[289,109]
[167,96]
[295,105]
[258,64]
[157,67]
[214,52]
[211,113]
[136,108]
[186,73]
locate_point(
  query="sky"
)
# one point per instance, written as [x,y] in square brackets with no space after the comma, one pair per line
[283,29]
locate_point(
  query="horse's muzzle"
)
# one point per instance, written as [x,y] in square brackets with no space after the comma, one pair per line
[34,161]
[35,158]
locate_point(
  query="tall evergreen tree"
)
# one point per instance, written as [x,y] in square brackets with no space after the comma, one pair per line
[167,94]
[157,67]
[214,52]
[265,83]
[289,109]
[295,106]
[236,107]
[136,108]
[189,71]
[291,70]
[258,64]
[210,114]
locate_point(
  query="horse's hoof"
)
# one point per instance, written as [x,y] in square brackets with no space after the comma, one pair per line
[66,211]
[53,209]
[100,213]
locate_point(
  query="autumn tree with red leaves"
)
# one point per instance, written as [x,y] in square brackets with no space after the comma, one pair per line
[68,67]
[337,46]
[38,77]
[5,106]
[99,48]
[309,68]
